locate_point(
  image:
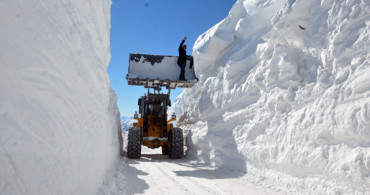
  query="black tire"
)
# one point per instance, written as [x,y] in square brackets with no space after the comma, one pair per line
[177,143]
[165,150]
[134,143]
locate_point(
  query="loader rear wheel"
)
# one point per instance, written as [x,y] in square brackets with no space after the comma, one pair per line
[165,150]
[177,143]
[134,143]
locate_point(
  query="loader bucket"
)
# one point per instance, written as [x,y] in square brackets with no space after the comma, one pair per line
[159,71]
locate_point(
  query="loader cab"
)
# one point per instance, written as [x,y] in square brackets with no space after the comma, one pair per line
[153,111]
[154,104]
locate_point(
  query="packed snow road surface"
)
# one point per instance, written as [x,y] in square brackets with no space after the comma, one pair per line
[154,173]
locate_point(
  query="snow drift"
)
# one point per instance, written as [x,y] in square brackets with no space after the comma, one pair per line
[58,115]
[283,95]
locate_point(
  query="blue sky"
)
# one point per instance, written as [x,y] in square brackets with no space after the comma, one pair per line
[155,27]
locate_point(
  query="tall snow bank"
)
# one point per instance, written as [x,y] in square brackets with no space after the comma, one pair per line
[58,115]
[283,94]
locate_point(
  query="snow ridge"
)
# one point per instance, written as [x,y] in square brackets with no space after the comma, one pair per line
[58,115]
[289,106]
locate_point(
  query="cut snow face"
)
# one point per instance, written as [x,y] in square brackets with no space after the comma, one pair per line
[288,106]
[58,116]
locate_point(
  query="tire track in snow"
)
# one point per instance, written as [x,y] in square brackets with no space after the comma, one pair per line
[168,176]
[188,184]
[162,177]
[157,178]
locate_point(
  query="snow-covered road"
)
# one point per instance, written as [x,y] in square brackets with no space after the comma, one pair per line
[154,173]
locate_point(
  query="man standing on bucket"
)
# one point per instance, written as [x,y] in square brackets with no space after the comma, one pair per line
[182,59]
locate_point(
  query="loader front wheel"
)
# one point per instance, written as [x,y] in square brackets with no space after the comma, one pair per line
[134,143]
[177,144]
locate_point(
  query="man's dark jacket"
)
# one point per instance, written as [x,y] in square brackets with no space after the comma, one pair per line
[182,54]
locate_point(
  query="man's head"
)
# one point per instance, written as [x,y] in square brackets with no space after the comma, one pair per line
[184,47]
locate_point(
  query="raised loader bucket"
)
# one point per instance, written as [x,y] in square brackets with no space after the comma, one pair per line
[159,71]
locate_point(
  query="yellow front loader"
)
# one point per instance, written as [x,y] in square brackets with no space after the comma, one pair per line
[153,127]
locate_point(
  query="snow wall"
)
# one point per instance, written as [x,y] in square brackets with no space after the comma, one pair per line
[58,115]
[288,106]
